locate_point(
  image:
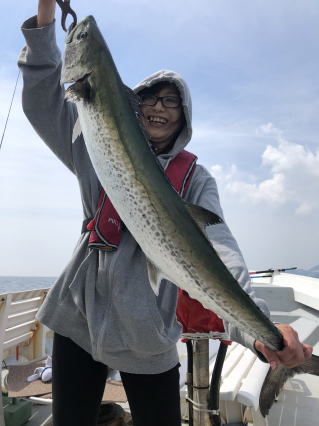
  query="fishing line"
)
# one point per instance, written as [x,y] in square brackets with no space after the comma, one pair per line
[5,126]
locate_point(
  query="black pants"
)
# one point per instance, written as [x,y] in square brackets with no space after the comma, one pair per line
[78,384]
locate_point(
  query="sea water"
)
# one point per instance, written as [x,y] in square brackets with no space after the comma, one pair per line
[13,284]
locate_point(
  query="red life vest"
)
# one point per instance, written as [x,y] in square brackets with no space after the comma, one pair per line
[107,225]
[105,234]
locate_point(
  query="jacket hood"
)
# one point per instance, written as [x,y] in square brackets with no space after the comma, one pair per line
[172,77]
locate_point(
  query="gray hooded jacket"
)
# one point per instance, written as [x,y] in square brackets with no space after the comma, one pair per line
[103,300]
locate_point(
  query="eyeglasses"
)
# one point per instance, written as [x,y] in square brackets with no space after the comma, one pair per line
[167,101]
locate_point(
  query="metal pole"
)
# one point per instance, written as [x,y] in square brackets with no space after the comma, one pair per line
[201,382]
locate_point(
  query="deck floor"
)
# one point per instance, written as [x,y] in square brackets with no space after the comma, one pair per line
[40,413]
[298,403]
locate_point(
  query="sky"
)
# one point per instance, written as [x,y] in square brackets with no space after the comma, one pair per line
[252,68]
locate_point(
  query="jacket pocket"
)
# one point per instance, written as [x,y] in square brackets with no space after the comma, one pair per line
[135,323]
[83,283]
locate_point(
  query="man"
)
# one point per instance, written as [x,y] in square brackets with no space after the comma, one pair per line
[102,308]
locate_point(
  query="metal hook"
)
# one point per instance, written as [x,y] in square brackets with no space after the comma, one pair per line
[66,10]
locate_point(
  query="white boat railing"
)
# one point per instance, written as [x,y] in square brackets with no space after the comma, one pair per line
[20,333]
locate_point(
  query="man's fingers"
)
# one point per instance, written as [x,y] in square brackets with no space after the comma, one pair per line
[307,350]
[293,353]
[270,355]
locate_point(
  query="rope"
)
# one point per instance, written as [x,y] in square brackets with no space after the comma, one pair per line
[5,126]
[202,407]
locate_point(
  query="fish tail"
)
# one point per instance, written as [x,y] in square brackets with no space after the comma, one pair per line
[276,379]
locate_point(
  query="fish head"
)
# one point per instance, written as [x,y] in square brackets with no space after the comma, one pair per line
[82,48]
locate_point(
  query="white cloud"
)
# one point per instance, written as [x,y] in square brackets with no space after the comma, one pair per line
[293,180]
[270,190]
[304,208]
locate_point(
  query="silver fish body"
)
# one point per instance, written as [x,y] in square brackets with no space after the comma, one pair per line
[169,231]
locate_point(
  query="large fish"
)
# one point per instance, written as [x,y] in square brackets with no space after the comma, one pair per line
[169,231]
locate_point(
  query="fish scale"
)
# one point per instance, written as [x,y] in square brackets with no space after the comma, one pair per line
[123,189]
[169,232]
[134,207]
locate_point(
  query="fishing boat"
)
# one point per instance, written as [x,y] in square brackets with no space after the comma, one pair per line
[293,299]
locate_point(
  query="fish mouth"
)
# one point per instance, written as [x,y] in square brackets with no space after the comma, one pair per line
[83,79]
[68,76]
[80,80]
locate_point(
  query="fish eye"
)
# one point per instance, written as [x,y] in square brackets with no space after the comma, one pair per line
[82,35]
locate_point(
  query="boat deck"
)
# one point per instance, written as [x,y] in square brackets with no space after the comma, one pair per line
[298,403]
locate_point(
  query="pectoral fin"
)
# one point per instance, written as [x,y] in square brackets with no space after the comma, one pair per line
[155,276]
[203,217]
[80,90]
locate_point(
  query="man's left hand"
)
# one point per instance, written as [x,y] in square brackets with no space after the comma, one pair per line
[293,353]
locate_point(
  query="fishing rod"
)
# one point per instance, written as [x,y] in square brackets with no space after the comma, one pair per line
[6,123]
[270,270]
[261,276]
[66,10]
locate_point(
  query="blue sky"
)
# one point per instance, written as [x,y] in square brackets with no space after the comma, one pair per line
[252,68]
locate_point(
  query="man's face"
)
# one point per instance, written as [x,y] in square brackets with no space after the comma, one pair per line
[162,123]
